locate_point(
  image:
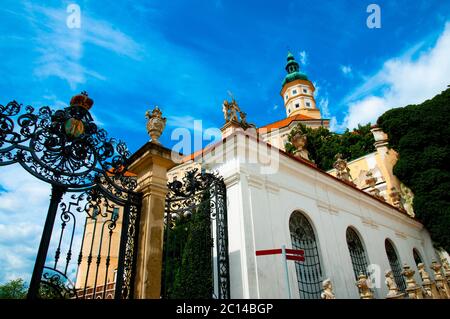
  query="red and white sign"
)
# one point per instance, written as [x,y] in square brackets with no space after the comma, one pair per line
[291,254]
[287,254]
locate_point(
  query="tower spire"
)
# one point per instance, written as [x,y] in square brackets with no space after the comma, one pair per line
[298,91]
[291,65]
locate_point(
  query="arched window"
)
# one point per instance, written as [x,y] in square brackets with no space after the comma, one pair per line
[309,272]
[395,264]
[357,253]
[417,258]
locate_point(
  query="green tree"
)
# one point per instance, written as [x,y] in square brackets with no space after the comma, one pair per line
[194,278]
[421,136]
[173,252]
[14,289]
[323,145]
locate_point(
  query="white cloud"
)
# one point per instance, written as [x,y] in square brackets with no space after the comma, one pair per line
[303,57]
[23,207]
[401,81]
[364,111]
[62,49]
[323,106]
[346,69]
[188,122]
[334,125]
[24,202]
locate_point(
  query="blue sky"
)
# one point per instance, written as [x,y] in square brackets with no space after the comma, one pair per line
[185,55]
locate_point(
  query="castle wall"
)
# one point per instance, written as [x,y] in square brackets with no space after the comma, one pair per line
[259,208]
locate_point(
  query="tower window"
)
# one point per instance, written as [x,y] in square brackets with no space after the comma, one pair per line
[305,91]
[294,92]
[287,96]
[297,106]
[308,104]
[289,110]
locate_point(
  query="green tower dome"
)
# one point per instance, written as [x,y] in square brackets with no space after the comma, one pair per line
[293,70]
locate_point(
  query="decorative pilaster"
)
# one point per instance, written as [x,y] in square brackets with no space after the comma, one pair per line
[151,164]
[412,289]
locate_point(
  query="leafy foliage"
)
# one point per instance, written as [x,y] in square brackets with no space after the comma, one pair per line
[173,251]
[421,136]
[14,289]
[187,268]
[194,278]
[323,145]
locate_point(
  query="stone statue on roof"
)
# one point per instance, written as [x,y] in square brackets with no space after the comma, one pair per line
[233,113]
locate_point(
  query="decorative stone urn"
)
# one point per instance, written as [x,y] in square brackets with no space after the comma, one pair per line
[412,289]
[426,282]
[363,285]
[439,279]
[155,124]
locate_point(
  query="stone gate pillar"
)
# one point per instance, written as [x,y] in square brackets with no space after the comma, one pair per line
[151,163]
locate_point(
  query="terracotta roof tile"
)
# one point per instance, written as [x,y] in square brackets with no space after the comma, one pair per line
[287,121]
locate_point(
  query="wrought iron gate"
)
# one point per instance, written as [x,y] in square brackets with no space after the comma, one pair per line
[90,186]
[197,191]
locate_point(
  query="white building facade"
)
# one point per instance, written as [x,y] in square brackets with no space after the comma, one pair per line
[274,199]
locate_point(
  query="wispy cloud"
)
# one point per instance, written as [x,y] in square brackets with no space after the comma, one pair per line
[323,106]
[61,49]
[303,57]
[189,122]
[401,81]
[346,69]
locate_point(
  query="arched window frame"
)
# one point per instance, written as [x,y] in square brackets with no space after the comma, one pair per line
[357,251]
[396,265]
[309,272]
[417,256]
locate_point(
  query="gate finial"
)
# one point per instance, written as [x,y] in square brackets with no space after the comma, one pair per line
[155,124]
[82,100]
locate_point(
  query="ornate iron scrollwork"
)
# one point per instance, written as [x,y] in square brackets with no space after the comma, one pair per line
[66,149]
[184,198]
[63,147]
[55,285]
